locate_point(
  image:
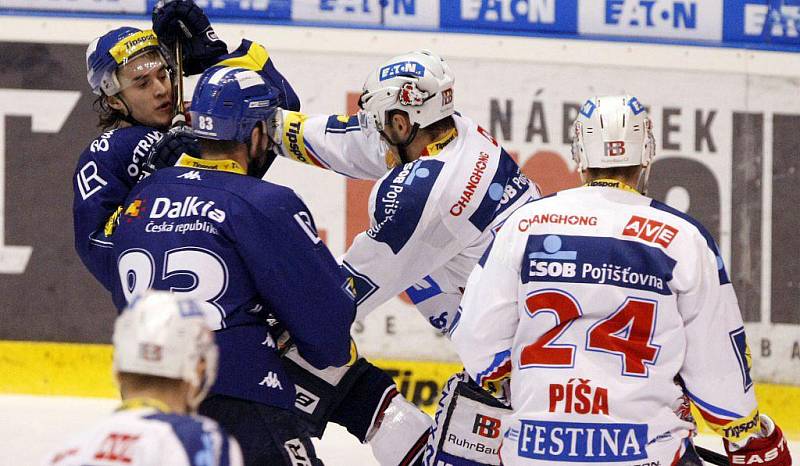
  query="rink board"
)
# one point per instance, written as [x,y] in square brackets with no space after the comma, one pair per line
[62,369]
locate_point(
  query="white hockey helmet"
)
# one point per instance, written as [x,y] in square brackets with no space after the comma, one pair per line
[419,83]
[612,131]
[163,335]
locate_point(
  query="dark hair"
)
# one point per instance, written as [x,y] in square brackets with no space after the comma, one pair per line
[439,127]
[130,381]
[434,129]
[108,118]
[213,146]
[615,173]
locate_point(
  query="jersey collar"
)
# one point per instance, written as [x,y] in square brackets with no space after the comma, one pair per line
[226,165]
[439,145]
[138,403]
[611,183]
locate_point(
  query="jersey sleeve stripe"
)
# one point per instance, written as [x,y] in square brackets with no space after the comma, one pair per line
[711,409]
[499,368]
[315,158]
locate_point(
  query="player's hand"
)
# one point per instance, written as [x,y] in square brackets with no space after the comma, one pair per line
[185,21]
[177,141]
[769,448]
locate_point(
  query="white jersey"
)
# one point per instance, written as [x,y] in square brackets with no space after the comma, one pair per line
[145,436]
[430,220]
[606,307]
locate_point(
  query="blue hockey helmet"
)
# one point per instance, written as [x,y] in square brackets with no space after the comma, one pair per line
[115,49]
[229,102]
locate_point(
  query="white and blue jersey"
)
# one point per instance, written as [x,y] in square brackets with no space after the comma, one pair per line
[249,250]
[146,436]
[610,312]
[430,220]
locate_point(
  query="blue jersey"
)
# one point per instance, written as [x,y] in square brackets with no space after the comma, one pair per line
[106,172]
[249,249]
[111,166]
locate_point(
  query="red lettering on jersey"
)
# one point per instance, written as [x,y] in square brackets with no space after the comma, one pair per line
[488,136]
[634,226]
[650,230]
[581,398]
[115,448]
[666,236]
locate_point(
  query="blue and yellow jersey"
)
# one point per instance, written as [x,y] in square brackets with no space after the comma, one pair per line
[249,249]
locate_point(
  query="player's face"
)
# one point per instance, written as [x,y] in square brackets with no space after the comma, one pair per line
[147,90]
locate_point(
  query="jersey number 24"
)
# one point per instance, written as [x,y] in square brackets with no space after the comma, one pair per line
[626,333]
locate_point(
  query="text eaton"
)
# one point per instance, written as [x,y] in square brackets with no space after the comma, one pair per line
[679,14]
[531,11]
[565,441]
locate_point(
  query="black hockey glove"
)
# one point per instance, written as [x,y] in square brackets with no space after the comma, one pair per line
[177,141]
[183,20]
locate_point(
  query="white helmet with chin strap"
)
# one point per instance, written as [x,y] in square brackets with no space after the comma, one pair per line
[419,83]
[163,335]
[613,131]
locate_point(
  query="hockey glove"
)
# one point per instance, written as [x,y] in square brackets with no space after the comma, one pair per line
[768,448]
[177,141]
[183,20]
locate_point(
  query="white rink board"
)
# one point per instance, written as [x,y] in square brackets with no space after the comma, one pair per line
[31,426]
[325,64]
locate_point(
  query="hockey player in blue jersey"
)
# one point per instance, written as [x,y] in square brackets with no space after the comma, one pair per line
[249,250]
[130,72]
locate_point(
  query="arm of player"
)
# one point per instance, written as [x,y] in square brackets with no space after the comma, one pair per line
[407,240]
[483,331]
[297,275]
[254,56]
[334,142]
[98,193]
[716,368]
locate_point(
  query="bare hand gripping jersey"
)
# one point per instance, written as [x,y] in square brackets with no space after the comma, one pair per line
[430,220]
[145,436]
[606,307]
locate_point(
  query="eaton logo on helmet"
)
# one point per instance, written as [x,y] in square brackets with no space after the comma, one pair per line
[406,68]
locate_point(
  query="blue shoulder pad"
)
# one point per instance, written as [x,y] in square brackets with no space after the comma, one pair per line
[723,275]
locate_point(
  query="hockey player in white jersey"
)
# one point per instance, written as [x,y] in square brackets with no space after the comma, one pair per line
[164,361]
[444,187]
[610,312]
